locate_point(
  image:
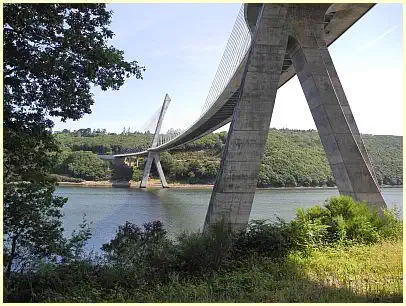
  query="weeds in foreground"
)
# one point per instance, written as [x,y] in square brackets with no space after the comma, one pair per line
[341,252]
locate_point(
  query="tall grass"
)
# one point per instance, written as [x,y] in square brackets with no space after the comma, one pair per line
[339,274]
[342,252]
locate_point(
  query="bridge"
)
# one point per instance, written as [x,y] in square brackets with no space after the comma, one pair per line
[268,45]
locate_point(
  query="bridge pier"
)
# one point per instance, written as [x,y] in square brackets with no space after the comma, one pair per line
[335,123]
[120,169]
[153,157]
[236,181]
[301,25]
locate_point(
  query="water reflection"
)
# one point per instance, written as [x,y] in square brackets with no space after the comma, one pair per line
[180,210]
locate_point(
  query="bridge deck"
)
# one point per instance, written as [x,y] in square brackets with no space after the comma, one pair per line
[338,18]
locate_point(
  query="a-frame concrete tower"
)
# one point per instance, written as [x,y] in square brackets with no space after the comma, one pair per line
[289,32]
[154,156]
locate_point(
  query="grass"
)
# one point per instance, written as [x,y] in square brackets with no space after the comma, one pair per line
[342,252]
[356,273]
[372,272]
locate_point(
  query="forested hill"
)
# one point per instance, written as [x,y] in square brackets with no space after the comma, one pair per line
[292,157]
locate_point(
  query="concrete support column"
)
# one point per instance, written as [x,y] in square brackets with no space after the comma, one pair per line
[147,170]
[342,99]
[158,166]
[153,157]
[335,123]
[236,181]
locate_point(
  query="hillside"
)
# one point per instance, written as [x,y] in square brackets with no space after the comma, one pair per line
[292,157]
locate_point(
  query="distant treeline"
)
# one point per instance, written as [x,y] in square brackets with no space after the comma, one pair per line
[292,157]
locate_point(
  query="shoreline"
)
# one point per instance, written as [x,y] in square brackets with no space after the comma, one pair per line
[155,184]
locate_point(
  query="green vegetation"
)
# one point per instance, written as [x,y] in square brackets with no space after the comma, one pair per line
[338,253]
[84,165]
[291,158]
[53,55]
[386,154]
[102,143]
[339,274]
[63,178]
[294,159]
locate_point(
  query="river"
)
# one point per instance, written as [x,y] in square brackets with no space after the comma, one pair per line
[178,209]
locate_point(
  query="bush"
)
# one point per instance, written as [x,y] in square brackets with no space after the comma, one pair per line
[137,174]
[290,181]
[345,220]
[86,165]
[265,238]
[141,256]
[309,232]
[204,252]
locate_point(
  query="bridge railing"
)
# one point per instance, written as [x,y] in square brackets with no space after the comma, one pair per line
[236,48]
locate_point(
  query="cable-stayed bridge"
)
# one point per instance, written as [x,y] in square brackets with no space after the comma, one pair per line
[268,45]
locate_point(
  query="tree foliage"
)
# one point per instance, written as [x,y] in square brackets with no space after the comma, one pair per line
[85,165]
[104,143]
[53,55]
[291,158]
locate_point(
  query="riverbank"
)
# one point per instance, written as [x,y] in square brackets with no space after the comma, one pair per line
[279,261]
[155,183]
[132,184]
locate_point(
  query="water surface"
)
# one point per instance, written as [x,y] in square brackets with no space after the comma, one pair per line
[179,209]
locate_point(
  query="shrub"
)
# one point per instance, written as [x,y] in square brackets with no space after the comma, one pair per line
[204,252]
[140,255]
[290,181]
[309,232]
[137,174]
[345,220]
[265,238]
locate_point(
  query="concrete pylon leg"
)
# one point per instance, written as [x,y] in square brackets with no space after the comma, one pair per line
[153,157]
[147,170]
[157,161]
[342,99]
[308,52]
[236,181]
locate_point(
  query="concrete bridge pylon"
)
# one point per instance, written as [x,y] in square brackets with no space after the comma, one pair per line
[153,156]
[293,32]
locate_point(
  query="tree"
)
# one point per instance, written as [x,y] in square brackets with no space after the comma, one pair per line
[53,54]
[211,169]
[290,181]
[86,165]
[84,132]
[167,162]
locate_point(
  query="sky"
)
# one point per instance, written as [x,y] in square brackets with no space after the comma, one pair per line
[181,45]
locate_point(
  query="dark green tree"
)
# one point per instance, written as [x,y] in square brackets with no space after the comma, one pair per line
[53,55]
[86,165]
